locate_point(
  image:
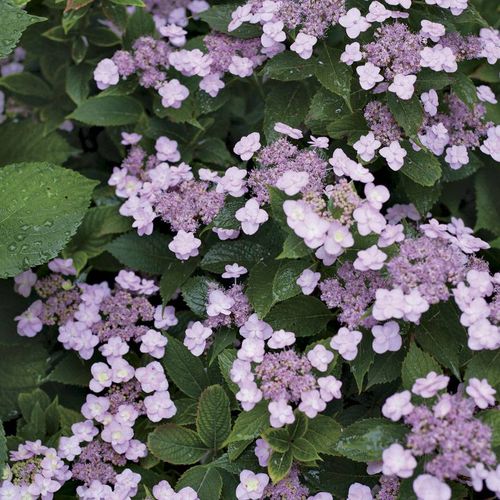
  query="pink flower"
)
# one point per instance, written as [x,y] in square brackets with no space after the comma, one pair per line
[394,155]
[292,182]
[167,149]
[281,413]
[29,322]
[262,452]
[251,216]
[196,337]
[219,303]
[311,403]
[247,146]
[351,54]
[241,66]
[184,245]
[308,280]
[251,485]
[481,392]
[430,101]
[153,343]
[403,86]
[24,283]
[398,405]
[232,182]
[456,156]
[428,487]
[106,74]
[366,146]
[303,45]
[429,386]
[371,258]
[398,462]
[283,128]
[354,23]
[369,75]
[320,357]
[63,266]
[173,93]
[329,388]
[386,337]
[346,343]
[358,491]
[281,339]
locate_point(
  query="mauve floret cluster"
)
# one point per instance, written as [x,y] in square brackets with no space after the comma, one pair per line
[289,487]
[280,157]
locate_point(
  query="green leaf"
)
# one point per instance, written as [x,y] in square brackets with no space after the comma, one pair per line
[485,364]
[218,18]
[464,89]
[333,74]
[225,361]
[385,368]
[176,445]
[71,370]
[325,108]
[363,361]
[213,150]
[226,219]
[353,125]
[21,370]
[195,294]
[3,449]
[245,252]
[108,111]
[99,227]
[428,79]
[140,23]
[407,113]
[286,102]
[323,433]
[249,424]
[11,305]
[421,167]
[77,82]
[26,141]
[41,206]
[278,439]
[27,84]
[441,334]
[271,282]
[294,248]
[366,439]
[304,451]
[279,465]
[303,315]
[175,275]
[289,66]
[423,197]
[213,421]
[149,254]
[417,364]
[13,21]
[185,369]
[205,480]
[487,200]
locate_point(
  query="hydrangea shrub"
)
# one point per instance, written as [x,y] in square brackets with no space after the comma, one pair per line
[249,250]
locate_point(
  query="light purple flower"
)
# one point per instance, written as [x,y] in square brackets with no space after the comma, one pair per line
[184,245]
[281,339]
[173,93]
[29,322]
[351,54]
[369,75]
[430,101]
[358,491]
[164,317]
[219,303]
[394,155]
[153,343]
[251,485]
[247,146]
[320,357]
[63,266]
[481,392]
[196,337]
[233,182]
[371,258]
[398,405]
[319,142]
[354,23]
[159,406]
[283,128]
[251,216]
[386,337]
[429,386]
[366,146]
[262,452]
[23,283]
[485,94]
[234,271]
[329,388]
[398,462]
[311,403]
[281,413]
[403,86]
[241,66]
[102,377]
[457,156]
[346,343]
[308,280]
[431,30]
[428,487]
[167,149]
[303,45]
[106,74]
[292,182]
